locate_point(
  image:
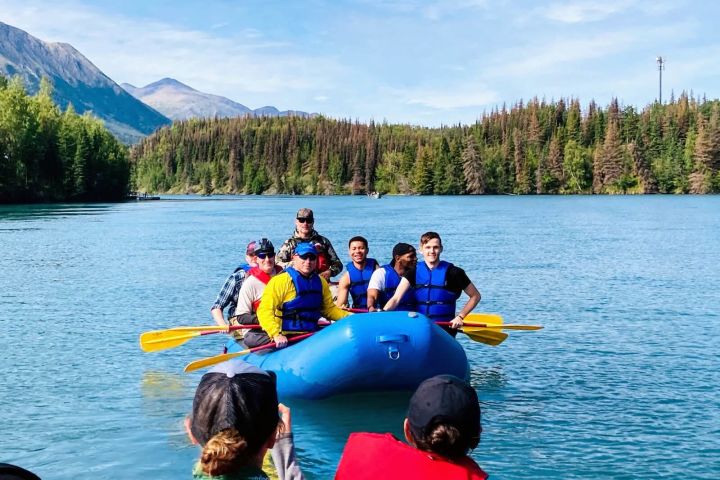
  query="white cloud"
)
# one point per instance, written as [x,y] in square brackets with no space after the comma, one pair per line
[451,97]
[584,11]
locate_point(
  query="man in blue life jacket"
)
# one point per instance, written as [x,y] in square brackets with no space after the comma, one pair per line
[355,281]
[437,286]
[294,300]
[228,296]
[385,280]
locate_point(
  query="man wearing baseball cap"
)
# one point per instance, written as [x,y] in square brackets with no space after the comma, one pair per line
[385,280]
[328,264]
[294,300]
[441,428]
[228,296]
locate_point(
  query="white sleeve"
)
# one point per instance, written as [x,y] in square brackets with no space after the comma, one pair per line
[377,280]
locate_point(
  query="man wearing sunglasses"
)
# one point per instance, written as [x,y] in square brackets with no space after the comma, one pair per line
[252,290]
[228,296]
[294,300]
[328,264]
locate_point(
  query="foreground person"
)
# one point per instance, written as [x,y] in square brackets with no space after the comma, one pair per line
[355,281]
[228,296]
[294,300]
[441,428]
[235,419]
[385,280]
[328,264]
[437,286]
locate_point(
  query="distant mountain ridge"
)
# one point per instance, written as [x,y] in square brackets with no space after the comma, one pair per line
[75,81]
[178,101]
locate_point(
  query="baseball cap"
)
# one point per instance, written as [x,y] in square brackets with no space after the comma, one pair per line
[13,472]
[304,248]
[236,395]
[448,400]
[250,250]
[261,246]
[401,249]
[305,213]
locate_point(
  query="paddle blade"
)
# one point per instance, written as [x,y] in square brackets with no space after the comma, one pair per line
[164,339]
[210,361]
[488,337]
[483,318]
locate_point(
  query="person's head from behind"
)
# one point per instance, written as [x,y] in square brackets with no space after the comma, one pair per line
[358,249]
[444,417]
[234,417]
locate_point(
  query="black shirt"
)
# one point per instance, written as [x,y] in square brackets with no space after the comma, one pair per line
[456,280]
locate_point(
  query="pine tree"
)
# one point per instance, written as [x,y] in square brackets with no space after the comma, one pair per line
[473,168]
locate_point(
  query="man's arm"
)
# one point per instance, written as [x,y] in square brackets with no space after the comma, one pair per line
[284,255]
[375,285]
[329,310]
[223,299]
[402,289]
[474,294]
[270,305]
[343,290]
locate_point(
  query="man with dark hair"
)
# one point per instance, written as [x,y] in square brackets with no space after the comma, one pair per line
[437,285]
[328,264]
[228,296]
[385,280]
[355,281]
[442,426]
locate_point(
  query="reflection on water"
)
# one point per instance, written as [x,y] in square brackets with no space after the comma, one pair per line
[30,212]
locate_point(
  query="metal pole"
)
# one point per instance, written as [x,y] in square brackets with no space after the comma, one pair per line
[661,67]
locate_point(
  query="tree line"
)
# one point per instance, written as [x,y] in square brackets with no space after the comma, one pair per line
[52,155]
[538,147]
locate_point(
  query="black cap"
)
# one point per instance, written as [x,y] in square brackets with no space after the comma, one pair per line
[448,400]
[401,249]
[261,246]
[236,395]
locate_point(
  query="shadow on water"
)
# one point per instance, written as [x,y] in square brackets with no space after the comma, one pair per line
[40,211]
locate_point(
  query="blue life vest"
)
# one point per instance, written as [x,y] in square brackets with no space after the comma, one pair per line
[359,280]
[302,313]
[433,299]
[392,280]
[243,266]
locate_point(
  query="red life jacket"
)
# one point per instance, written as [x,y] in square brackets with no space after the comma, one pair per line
[381,455]
[264,278]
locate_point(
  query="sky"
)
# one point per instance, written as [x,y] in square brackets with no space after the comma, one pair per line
[435,62]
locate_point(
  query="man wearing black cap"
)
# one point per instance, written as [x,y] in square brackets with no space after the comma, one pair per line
[328,264]
[386,279]
[442,427]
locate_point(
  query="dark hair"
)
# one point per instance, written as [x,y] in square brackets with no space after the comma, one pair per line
[358,238]
[445,440]
[427,236]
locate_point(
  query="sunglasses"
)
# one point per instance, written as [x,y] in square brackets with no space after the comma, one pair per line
[264,255]
[308,256]
[306,220]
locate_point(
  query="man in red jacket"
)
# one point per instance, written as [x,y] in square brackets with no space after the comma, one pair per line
[442,427]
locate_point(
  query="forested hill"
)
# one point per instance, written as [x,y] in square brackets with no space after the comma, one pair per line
[538,147]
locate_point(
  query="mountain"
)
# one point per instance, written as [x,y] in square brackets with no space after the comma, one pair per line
[75,81]
[178,101]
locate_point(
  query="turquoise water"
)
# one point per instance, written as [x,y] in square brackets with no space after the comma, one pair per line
[622,383]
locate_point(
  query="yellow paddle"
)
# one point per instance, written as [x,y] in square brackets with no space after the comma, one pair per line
[488,337]
[174,337]
[209,361]
[484,318]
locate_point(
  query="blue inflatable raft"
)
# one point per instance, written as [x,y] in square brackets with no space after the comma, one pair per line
[361,353]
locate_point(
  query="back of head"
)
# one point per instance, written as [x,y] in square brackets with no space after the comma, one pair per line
[444,416]
[235,413]
[13,472]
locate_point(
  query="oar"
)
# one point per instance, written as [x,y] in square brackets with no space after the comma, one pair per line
[484,318]
[174,337]
[209,361]
[484,326]
[486,336]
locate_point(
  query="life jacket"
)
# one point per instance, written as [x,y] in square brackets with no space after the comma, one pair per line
[359,280]
[243,266]
[264,278]
[302,313]
[378,455]
[392,280]
[433,299]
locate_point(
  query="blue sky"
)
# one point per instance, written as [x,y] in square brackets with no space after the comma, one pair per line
[410,61]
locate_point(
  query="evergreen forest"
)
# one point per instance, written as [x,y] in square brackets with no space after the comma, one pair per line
[535,148]
[48,155]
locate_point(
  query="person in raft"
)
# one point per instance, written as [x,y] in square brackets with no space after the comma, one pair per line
[441,428]
[236,418]
[355,281]
[294,300]
[328,264]
[385,280]
[228,296]
[252,290]
[437,286]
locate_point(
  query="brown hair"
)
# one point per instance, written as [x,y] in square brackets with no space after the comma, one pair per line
[445,440]
[427,236]
[225,452]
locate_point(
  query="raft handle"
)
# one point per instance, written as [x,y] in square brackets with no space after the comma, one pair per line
[393,340]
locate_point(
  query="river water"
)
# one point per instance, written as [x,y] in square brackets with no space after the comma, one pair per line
[622,382]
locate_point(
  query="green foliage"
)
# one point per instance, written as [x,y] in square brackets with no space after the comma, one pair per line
[46,155]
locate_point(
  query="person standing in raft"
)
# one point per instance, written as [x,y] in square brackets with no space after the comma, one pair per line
[437,286]
[385,280]
[235,419]
[328,264]
[355,281]
[252,290]
[442,427]
[294,300]
[228,296]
